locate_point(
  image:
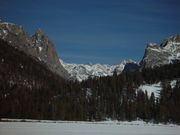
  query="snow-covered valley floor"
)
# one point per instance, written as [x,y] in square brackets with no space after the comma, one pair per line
[86,128]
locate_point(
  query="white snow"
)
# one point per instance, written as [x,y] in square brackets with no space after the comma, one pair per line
[21,66]
[150,88]
[173,83]
[40,48]
[152,44]
[83,71]
[156,88]
[39,59]
[172,46]
[178,55]
[7,23]
[4,31]
[87,128]
[88,92]
[156,49]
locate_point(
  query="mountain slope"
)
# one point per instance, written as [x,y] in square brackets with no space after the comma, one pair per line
[39,46]
[28,89]
[17,69]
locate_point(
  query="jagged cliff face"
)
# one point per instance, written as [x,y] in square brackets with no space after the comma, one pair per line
[45,51]
[163,54]
[39,46]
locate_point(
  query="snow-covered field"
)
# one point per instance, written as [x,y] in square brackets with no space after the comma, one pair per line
[86,128]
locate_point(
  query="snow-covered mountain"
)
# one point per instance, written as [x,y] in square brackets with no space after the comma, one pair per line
[83,71]
[165,53]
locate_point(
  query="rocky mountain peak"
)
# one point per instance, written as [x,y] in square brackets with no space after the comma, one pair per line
[171,43]
[39,46]
[40,37]
[10,28]
[40,32]
[46,51]
[165,53]
[173,39]
[152,45]
[15,36]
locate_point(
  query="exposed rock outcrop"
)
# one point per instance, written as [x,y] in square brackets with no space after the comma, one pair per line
[38,46]
[165,53]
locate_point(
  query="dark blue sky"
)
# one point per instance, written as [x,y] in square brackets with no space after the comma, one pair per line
[97,31]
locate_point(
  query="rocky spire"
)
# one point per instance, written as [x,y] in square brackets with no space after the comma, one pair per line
[39,46]
[46,52]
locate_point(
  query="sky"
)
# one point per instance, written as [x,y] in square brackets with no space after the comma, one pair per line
[97,31]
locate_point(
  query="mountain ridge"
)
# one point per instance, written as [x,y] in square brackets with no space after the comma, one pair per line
[165,53]
[155,55]
[84,71]
[42,48]
[38,45]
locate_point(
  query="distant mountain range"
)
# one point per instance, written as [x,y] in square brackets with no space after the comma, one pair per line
[42,49]
[84,71]
[155,55]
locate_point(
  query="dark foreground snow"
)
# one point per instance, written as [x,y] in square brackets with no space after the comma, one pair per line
[86,128]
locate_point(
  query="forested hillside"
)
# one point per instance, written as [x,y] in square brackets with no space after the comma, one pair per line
[118,97]
[28,89]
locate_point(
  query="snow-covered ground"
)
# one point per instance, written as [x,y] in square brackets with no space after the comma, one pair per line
[156,88]
[86,128]
[150,88]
